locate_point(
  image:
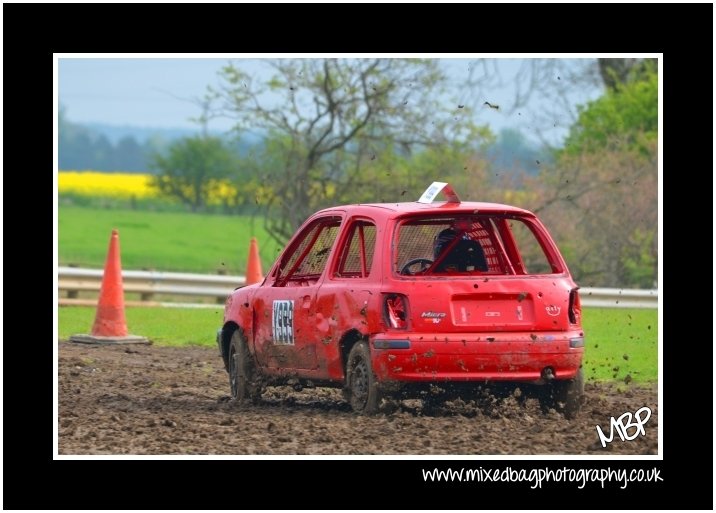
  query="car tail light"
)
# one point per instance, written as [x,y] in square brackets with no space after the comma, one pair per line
[575,307]
[396,311]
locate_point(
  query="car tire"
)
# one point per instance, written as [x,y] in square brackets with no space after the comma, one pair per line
[242,371]
[362,388]
[570,395]
[565,396]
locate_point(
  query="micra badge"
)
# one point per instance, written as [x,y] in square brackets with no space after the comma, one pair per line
[434,317]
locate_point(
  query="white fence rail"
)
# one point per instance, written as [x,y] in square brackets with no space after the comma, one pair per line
[619,298]
[149,284]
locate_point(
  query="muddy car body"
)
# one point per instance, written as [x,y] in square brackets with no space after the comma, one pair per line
[376,299]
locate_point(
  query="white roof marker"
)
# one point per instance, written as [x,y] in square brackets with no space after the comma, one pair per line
[435,187]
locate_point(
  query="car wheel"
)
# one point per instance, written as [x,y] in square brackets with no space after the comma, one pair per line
[242,371]
[565,396]
[570,394]
[361,385]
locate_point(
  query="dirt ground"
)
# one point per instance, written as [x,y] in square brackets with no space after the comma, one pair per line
[164,400]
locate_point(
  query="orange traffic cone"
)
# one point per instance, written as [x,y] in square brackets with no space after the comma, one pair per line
[110,326]
[253,267]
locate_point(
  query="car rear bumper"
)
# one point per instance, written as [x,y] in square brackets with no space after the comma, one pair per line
[524,357]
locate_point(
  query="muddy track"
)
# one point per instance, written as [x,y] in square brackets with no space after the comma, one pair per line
[163,400]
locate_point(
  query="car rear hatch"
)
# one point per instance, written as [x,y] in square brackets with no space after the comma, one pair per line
[488,305]
[480,272]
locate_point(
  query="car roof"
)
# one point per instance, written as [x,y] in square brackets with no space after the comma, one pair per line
[413,207]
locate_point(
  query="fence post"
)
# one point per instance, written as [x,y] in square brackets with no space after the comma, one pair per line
[221,271]
[146,296]
[72,294]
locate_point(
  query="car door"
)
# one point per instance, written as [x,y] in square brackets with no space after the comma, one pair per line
[286,334]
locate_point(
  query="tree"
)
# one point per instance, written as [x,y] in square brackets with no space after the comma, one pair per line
[625,114]
[546,88]
[129,155]
[615,72]
[102,152]
[599,196]
[74,144]
[193,170]
[326,120]
[602,210]
[513,152]
[80,147]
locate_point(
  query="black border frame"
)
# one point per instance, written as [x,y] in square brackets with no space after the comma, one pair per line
[32,480]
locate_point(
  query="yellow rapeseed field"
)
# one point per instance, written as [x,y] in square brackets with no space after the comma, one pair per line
[114,185]
[131,185]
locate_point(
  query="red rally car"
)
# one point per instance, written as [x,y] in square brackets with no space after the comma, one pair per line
[382,298]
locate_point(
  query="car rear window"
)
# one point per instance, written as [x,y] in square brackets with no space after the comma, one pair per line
[470,244]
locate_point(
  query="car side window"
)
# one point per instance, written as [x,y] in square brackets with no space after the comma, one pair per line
[308,258]
[356,257]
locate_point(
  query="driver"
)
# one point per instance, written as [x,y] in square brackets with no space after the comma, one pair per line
[465,255]
[443,240]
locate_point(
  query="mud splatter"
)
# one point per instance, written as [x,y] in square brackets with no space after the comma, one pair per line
[162,400]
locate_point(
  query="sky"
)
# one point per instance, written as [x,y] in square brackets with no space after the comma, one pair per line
[156,92]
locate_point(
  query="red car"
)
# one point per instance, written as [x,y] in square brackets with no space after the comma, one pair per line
[409,297]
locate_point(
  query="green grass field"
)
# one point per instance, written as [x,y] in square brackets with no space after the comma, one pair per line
[164,326]
[166,241]
[610,335]
[620,341]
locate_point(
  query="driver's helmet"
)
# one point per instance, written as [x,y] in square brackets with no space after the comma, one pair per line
[459,226]
[442,240]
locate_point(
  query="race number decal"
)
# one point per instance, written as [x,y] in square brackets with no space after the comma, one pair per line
[283,321]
